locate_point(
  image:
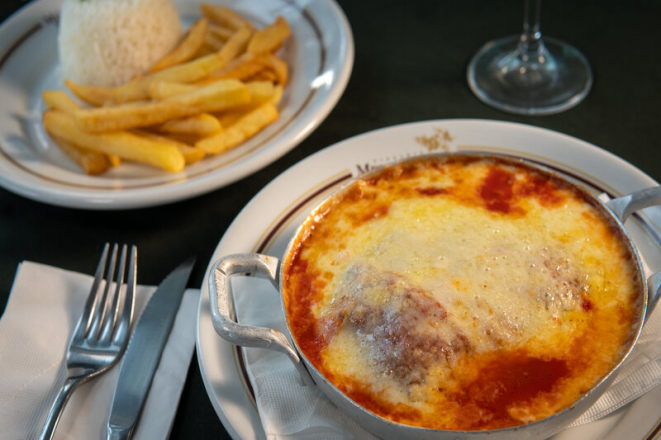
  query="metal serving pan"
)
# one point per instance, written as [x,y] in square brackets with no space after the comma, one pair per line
[617,210]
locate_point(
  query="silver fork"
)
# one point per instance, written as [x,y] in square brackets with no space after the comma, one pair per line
[102,332]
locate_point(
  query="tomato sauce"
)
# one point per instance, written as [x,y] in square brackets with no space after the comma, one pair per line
[497,190]
[431,191]
[301,312]
[544,190]
[505,379]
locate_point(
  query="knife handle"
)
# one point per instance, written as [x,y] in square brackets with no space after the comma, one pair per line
[117,433]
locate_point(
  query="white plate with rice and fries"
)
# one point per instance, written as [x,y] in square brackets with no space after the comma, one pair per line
[239,85]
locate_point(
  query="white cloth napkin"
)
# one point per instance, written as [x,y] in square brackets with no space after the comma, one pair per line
[44,306]
[288,410]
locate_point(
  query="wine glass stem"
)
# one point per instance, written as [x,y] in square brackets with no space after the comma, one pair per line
[531,65]
[531,36]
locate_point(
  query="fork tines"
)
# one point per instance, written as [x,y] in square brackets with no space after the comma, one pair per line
[107,311]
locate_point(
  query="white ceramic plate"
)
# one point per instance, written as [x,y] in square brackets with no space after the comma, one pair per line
[319,53]
[268,222]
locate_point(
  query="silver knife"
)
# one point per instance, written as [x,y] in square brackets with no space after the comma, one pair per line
[144,352]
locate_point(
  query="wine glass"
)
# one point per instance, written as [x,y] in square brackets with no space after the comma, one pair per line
[528,74]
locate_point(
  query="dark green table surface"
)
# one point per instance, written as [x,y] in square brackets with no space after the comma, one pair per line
[410,65]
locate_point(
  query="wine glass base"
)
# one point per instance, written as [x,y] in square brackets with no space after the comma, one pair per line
[493,76]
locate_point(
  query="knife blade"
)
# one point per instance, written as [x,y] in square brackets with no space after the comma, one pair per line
[144,352]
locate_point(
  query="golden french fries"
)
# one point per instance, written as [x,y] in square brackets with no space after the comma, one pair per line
[264,75]
[188,47]
[123,144]
[214,97]
[184,138]
[164,89]
[213,42]
[224,16]
[246,127]
[96,96]
[187,72]
[114,160]
[59,100]
[277,66]
[260,93]
[203,124]
[245,66]
[235,45]
[130,115]
[277,95]
[191,153]
[92,162]
[270,38]
[217,88]
[205,50]
[218,96]
[220,32]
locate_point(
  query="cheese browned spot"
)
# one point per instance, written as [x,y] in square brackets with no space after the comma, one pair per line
[461,293]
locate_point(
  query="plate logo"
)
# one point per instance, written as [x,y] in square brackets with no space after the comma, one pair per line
[440,139]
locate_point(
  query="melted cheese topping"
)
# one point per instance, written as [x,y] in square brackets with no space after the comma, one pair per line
[462,294]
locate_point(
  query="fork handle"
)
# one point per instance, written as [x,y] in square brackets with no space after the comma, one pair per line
[57,408]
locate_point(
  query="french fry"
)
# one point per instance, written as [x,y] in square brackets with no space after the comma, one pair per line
[123,144]
[96,96]
[224,16]
[221,32]
[243,129]
[165,89]
[264,75]
[218,96]
[230,117]
[59,100]
[245,66]
[203,124]
[188,47]
[191,153]
[213,42]
[191,71]
[277,94]
[92,162]
[204,51]
[184,138]
[188,72]
[114,160]
[235,45]
[269,39]
[130,115]
[260,93]
[278,66]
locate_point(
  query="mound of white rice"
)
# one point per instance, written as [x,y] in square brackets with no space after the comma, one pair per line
[108,42]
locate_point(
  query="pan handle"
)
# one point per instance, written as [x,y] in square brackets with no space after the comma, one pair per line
[624,206]
[222,314]
[654,289]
